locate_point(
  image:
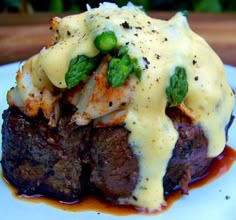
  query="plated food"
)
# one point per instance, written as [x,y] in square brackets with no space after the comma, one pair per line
[125,107]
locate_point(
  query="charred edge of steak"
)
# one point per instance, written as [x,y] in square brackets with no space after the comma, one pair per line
[69,161]
[41,160]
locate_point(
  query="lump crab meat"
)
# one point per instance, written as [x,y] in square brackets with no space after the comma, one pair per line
[97,99]
[30,99]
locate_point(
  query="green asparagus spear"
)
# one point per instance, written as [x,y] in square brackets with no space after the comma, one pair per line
[121,67]
[119,70]
[106,41]
[78,70]
[178,88]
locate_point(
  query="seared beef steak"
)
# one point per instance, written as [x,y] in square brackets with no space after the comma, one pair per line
[114,166]
[41,160]
[189,160]
[69,161]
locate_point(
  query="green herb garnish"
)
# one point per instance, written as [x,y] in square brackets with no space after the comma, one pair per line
[178,87]
[136,68]
[123,50]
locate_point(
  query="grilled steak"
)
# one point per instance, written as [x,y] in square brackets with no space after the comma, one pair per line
[69,161]
[189,160]
[39,160]
[114,166]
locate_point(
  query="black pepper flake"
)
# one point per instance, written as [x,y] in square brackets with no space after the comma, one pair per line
[146,60]
[127,43]
[196,78]
[136,35]
[158,56]
[139,28]
[126,25]
[108,17]
[227,197]
[149,22]
[68,33]
[165,40]
[135,198]
[110,104]
[154,31]
[194,62]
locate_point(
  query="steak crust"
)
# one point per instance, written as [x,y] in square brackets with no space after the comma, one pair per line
[68,162]
[41,160]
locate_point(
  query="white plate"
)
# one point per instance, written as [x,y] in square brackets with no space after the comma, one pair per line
[207,202]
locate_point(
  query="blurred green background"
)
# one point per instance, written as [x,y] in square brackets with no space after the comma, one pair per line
[31,6]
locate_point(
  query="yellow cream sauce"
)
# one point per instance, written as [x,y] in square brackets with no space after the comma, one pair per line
[160,46]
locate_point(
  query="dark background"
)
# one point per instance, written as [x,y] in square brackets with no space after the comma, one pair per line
[31,6]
